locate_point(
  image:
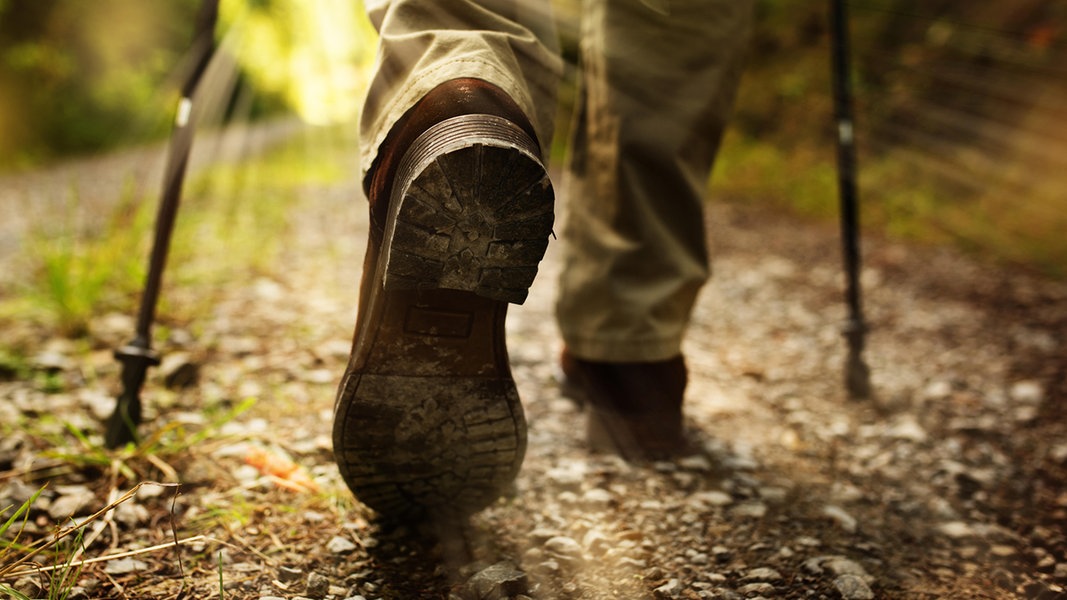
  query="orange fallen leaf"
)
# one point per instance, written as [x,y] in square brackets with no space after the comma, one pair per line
[283,472]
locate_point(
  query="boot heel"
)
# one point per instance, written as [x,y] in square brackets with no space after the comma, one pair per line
[472,210]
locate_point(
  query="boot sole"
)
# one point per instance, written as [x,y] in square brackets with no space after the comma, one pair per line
[428,421]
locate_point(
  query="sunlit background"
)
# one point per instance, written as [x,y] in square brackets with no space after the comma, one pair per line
[959,105]
[81,77]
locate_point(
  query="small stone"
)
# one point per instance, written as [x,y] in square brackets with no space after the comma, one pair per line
[839,565]
[762,574]
[752,510]
[568,476]
[543,534]
[289,574]
[696,462]
[318,585]
[131,514]
[1027,391]
[548,566]
[636,564]
[74,500]
[956,530]
[597,498]
[100,403]
[907,429]
[53,361]
[752,589]
[1002,550]
[498,582]
[712,498]
[840,517]
[773,494]
[669,590]
[28,586]
[124,566]
[564,547]
[721,553]
[340,545]
[852,587]
[937,390]
[596,542]
[179,371]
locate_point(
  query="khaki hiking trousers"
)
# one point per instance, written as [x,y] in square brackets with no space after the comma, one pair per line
[657,79]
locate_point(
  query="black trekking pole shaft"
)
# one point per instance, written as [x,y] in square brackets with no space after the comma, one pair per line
[857,375]
[137,355]
[177,160]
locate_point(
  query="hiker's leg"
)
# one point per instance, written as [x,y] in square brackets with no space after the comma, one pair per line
[658,81]
[659,78]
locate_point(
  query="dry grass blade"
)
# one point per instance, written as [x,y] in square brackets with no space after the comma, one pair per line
[12,570]
[117,556]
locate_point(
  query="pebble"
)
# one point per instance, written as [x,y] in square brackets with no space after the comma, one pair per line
[669,590]
[597,498]
[318,585]
[752,510]
[131,514]
[762,574]
[711,498]
[568,476]
[340,545]
[498,582]
[179,371]
[596,542]
[123,566]
[956,530]
[564,548]
[908,429]
[839,565]
[761,588]
[72,501]
[721,553]
[51,360]
[1027,391]
[289,574]
[696,462]
[852,587]
[841,518]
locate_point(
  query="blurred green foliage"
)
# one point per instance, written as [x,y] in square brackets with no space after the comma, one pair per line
[959,122]
[80,76]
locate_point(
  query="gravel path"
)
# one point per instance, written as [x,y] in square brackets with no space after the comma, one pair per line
[950,484]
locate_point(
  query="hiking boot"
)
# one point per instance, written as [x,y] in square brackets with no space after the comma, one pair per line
[634,408]
[427,421]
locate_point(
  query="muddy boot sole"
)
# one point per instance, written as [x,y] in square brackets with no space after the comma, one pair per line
[428,421]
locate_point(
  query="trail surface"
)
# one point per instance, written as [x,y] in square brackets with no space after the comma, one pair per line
[949,484]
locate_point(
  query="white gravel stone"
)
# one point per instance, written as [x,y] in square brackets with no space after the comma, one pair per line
[340,545]
[852,587]
[564,547]
[840,517]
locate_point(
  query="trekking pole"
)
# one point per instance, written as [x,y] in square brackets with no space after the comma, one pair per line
[857,374]
[137,355]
